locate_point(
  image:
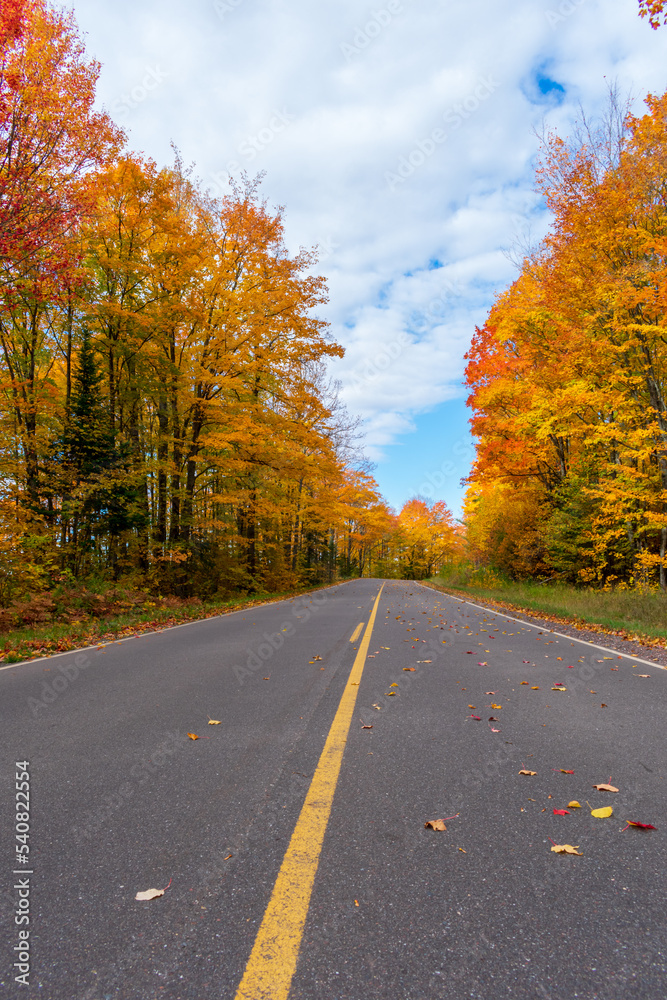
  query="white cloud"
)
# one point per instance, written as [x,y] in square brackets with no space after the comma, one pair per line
[274,86]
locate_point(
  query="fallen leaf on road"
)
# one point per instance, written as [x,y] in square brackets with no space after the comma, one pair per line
[356,902]
[495,730]
[492,718]
[566,849]
[152,893]
[472,706]
[489,692]
[641,675]
[641,826]
[559,688]
[475,717]
[483,663]
[390,694]
[228,857]
[524,682]
[435,824]
[574,804]
[394,685]
[410,668]
[535,687]
[603,705]
[562,770]
[561,812]
[462,851]
[527,772]
[605,788]
[603,813]
[379,708]
[315,658]
[214,722]
[366,727]
[193,736]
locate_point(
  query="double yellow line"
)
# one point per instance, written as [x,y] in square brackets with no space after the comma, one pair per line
[272,963]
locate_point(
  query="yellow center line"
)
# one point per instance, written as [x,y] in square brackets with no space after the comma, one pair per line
[272,963]
[357,632]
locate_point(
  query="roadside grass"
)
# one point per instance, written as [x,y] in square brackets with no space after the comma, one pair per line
[638,613]
[30,641]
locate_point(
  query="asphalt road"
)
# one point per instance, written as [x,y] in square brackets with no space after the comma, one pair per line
[122,800]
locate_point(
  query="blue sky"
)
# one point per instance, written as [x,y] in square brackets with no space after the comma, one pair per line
[401,139]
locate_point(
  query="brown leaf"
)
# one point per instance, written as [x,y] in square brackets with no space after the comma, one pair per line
[605,788]
[527,772]
[435,824]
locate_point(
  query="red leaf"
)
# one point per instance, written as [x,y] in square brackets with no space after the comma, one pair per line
[561,812]
[642,826]
[476,717]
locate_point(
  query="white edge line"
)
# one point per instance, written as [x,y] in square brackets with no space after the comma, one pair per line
[604,649]
[99,646]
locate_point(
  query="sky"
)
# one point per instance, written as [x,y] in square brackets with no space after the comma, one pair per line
[401,139]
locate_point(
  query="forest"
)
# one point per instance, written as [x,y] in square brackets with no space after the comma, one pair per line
[168,421]
[568,376]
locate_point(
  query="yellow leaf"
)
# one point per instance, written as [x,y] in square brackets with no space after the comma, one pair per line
[435,824]
[496,706]
[527,772]
[566,849]
[602,813]
[193,736]
[214,722]
[394,685]
[150,894]
[574,805]
[535,687]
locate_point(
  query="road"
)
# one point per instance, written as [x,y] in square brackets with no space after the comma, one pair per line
[348,896]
